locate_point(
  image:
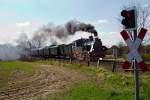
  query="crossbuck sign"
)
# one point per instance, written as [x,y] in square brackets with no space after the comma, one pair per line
[133,48]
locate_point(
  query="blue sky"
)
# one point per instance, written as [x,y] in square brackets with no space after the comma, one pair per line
[27,15]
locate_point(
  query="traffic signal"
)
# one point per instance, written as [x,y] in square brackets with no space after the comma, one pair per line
[128,18]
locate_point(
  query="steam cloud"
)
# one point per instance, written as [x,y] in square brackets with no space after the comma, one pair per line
[55,34]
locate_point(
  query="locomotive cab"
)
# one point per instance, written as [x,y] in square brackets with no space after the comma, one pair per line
[97,50]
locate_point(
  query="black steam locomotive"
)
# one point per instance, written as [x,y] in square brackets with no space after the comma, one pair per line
[82,49]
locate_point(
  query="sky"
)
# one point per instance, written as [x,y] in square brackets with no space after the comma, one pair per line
[18,16]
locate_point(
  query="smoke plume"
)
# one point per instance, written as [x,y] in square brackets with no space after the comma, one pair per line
[73,26]
[9,52]
[54,34]
[49,34]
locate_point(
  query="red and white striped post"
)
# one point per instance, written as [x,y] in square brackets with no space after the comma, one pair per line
[133,47]
[134,56]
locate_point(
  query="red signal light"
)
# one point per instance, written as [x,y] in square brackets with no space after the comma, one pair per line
[125,13]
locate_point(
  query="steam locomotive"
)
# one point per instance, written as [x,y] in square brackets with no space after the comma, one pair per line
[90,49]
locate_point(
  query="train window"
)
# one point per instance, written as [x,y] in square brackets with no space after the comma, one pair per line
[79,43]
[88,47]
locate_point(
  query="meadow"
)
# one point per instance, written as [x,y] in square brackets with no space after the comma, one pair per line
[102,84]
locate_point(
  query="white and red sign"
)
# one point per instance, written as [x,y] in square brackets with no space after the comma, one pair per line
[133,48]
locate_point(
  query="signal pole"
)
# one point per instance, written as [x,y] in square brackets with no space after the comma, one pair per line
[136,74]
[130,23]
[135,65]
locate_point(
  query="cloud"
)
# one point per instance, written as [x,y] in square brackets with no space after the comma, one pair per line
[146,5]
[102,21]
[99,22]
[23,24]
[148,17]
[10,32]
[110,38]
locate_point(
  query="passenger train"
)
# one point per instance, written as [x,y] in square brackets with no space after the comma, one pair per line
[90,49]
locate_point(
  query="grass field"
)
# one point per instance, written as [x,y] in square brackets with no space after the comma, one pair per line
[103,85]
[111,86]
[11,70]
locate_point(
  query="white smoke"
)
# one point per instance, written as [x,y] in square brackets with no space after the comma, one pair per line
[51,34]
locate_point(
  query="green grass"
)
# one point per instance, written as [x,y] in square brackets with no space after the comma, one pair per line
[85,91]
[91,91]
[112,86]
[146,57]
[7,67]
[47,62]
[83,68]
[13,69]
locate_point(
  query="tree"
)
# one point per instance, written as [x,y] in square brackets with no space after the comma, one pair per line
[39,39]
[23,41]
[144,20]
[144,14]
[121,48]
[24,44]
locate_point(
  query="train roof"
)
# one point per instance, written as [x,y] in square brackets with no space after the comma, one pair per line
[34,49]
[37,48]
[41,48]
[82,40]
[53,46]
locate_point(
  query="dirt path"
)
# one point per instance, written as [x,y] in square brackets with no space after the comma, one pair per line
[48,81]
